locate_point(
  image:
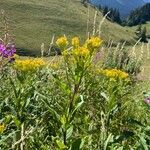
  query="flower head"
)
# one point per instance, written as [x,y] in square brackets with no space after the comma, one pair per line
[93,42]
[7,51]
[114,73]
[29,65]
[81,52]
[62,42]
[75,42]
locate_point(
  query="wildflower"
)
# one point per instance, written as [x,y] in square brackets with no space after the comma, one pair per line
[29,65]
[81,52]
[93,42]
[75,42]
[2,48]
[7,51]
[62,42]
[147,100]
[114,73]
[2,127]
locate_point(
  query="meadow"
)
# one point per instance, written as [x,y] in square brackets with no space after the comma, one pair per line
[94,95]
[81,101]
[36,22]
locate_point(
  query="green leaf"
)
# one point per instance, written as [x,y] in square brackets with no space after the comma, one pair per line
[79,104]
[77,144]
[143,142]
[60,145]
[77,107]
[63,120]
[44,100]
[27,102]
[16,121]
[4,138]
[120,148]
[108,140]
[69,132]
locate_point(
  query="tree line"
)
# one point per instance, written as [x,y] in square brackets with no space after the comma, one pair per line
[138,17]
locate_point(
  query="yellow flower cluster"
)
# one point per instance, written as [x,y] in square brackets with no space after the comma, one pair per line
[62,42]
[93,42]
[2,127]
[81,52]
[29,65]
[75,42]
[114,73]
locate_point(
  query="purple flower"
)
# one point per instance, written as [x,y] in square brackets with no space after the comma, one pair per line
[7,51]
[2,48]
[147,100]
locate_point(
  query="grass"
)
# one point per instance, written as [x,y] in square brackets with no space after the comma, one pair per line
[36,21]
[143,50]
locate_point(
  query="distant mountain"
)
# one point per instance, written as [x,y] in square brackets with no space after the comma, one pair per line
[139,16]
[124,6]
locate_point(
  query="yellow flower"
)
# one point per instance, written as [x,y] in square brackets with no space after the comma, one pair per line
[81,52]
[29,65]
[62,42]
[75,42]
[93,42]
[2,127]
[113,73]
[124,75]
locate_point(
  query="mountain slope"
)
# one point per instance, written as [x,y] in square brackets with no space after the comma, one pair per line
[37,21]
[139,15]
[124,6]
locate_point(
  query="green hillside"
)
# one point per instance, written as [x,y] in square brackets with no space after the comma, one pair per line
[36,21]
[147,25]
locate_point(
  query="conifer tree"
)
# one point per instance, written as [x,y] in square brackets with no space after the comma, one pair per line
[105,10]
[141,34]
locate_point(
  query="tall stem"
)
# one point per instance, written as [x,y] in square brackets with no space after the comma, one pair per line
[22,135]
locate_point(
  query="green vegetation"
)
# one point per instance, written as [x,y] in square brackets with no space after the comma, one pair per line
[35,22]
[73,103]
[92,97]
[141,34]
[111,14]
